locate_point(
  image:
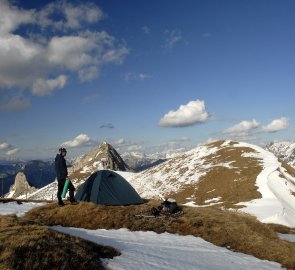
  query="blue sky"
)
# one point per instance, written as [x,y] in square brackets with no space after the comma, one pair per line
[144,75]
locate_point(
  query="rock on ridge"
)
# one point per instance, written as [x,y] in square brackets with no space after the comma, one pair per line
[21,187]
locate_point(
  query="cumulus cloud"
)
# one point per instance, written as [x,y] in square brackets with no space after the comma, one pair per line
[276,125]
[244,128]
[4,146]
[36,61]
[88,73]
[187,115]
[134,147]
[12,152]
[119,141]
[11,17]
[81,140]
[70,16]
[171,38]
[43,87]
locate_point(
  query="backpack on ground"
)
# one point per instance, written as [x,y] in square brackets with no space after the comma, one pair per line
[169,206]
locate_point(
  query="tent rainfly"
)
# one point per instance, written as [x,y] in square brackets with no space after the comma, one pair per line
[108,188]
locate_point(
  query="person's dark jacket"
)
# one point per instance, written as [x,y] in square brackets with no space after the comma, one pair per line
[60,167]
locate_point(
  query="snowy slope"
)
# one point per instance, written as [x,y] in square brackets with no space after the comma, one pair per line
[225,173]
[149,251]
[276,187]
[169,177]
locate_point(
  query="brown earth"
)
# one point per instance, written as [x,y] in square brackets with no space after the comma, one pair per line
[29,246]
[230,185]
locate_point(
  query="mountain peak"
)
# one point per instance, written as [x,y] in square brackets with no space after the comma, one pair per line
[103,156]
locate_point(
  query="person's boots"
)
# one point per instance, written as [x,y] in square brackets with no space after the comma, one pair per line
[73,201]
[72,197]
[61,203]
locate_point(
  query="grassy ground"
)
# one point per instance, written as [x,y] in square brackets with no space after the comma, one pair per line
[27,245]
[230,229]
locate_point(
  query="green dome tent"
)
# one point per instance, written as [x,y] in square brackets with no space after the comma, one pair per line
[109,188]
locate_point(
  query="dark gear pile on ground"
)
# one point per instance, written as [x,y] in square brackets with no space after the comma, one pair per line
[168,207]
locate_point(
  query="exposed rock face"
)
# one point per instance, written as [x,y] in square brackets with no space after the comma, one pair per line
[102,157]
[21,187]
[283,150]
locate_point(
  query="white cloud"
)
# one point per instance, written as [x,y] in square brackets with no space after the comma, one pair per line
[12,152]
[187,115]
[115,55]
[70,16]
[71,52]
[4,146]
[88,73]
[134,147]
[171,38]
[143,76]
[11,17]
[43,87]
[21,61]
[244,128]
[80,141]
[133,76]
[277,125]
[30,61]
[119,141]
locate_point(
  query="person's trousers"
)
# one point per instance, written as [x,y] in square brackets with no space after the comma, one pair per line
[60,188]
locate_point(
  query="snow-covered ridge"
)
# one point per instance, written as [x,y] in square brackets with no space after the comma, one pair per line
[223,167]
[274,183]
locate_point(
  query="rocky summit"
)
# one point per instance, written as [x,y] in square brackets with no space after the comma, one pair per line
[104,156]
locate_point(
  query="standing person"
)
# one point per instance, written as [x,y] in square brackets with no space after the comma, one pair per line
[61,175]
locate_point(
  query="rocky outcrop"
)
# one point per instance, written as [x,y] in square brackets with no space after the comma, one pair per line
[284,150]
[21,187]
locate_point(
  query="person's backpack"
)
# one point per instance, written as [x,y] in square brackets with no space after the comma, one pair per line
[169,206]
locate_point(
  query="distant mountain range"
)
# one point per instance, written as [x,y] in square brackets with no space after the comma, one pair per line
[140,161]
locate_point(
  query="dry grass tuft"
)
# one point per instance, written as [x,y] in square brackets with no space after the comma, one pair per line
[27,245]
[230,229]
